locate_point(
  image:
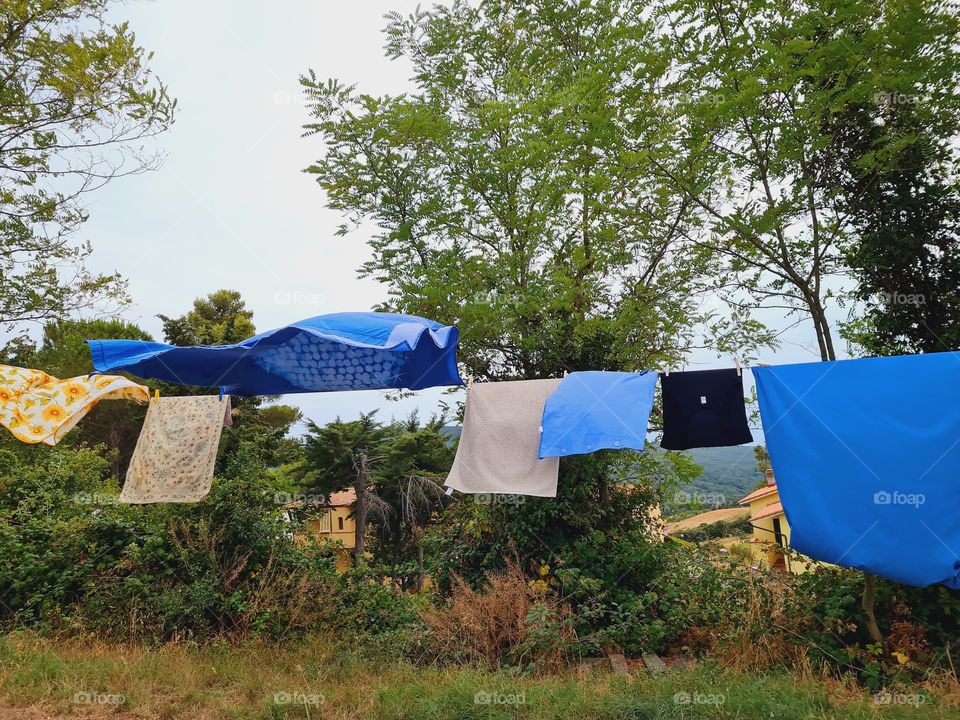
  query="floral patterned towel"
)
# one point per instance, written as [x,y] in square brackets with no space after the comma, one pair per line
[174,458]
[37,407]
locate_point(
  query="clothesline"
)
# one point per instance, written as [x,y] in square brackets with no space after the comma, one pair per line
[866,452]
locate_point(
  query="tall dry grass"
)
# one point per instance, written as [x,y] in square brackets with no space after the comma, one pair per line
[496,625]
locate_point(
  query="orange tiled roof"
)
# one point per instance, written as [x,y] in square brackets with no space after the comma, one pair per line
[771,510]
[342,498]
[758,493]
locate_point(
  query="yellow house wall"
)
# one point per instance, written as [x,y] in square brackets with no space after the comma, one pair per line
[764,539]
[347,536]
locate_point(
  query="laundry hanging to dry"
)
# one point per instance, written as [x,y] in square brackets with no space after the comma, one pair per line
[497,453]
[39,408]
[177,450]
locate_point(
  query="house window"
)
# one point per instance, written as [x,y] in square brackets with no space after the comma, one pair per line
[323,521]
[340,522]
[778,533]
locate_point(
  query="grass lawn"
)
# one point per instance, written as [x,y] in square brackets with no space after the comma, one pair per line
[42,678]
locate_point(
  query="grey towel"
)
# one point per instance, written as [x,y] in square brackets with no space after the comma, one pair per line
[500,440]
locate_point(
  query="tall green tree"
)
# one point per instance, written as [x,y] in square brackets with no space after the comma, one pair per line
[76,101]
[510,200]
[905,258]
[222,318]
[758,89]
[753,91]
[414,461]
[507,197]
[338,456]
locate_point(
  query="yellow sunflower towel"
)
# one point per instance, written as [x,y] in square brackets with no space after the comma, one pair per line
[36,407]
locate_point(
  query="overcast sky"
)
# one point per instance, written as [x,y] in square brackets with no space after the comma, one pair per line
[231,207]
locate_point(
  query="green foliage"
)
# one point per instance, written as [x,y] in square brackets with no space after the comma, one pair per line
[509,199]
[72,558]
[906,257]
[221,318]
[596,539]
[919,624]
[756,93]
[397,472]
[367,611]
[331,452]
[76,101]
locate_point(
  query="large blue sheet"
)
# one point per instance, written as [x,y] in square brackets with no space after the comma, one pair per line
[866,455]
[342,351]
[595,410]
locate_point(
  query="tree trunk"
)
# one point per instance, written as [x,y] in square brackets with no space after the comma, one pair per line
[868,602]
[420,572]
[360,511]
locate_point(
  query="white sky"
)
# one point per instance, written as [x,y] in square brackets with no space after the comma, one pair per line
[231,207]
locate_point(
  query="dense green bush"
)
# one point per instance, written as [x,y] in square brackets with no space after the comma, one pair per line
[594,545]
[73,558]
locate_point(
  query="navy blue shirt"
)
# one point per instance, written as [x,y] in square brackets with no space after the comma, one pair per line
[703,408]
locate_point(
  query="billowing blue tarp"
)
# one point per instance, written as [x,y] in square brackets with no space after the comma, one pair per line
[866,454]
[594,410]
[342,351]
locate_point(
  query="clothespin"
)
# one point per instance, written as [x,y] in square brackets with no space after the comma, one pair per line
[469,382]
[156,394]
[221,393]
[737,361]
[565,373]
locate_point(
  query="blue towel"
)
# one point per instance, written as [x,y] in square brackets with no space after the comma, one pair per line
[866,454]
[342,351]
[597,410]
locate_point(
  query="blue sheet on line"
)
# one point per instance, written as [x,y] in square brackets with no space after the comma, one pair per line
[866,455]
[595,410]
[342,351]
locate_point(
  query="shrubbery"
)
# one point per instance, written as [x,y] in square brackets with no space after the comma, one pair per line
[505,589]
[73,559]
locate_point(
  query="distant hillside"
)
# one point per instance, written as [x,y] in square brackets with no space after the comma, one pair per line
[729,473]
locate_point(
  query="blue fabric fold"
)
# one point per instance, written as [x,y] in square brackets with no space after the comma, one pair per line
[594,410]
[866,454]
[342,351]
